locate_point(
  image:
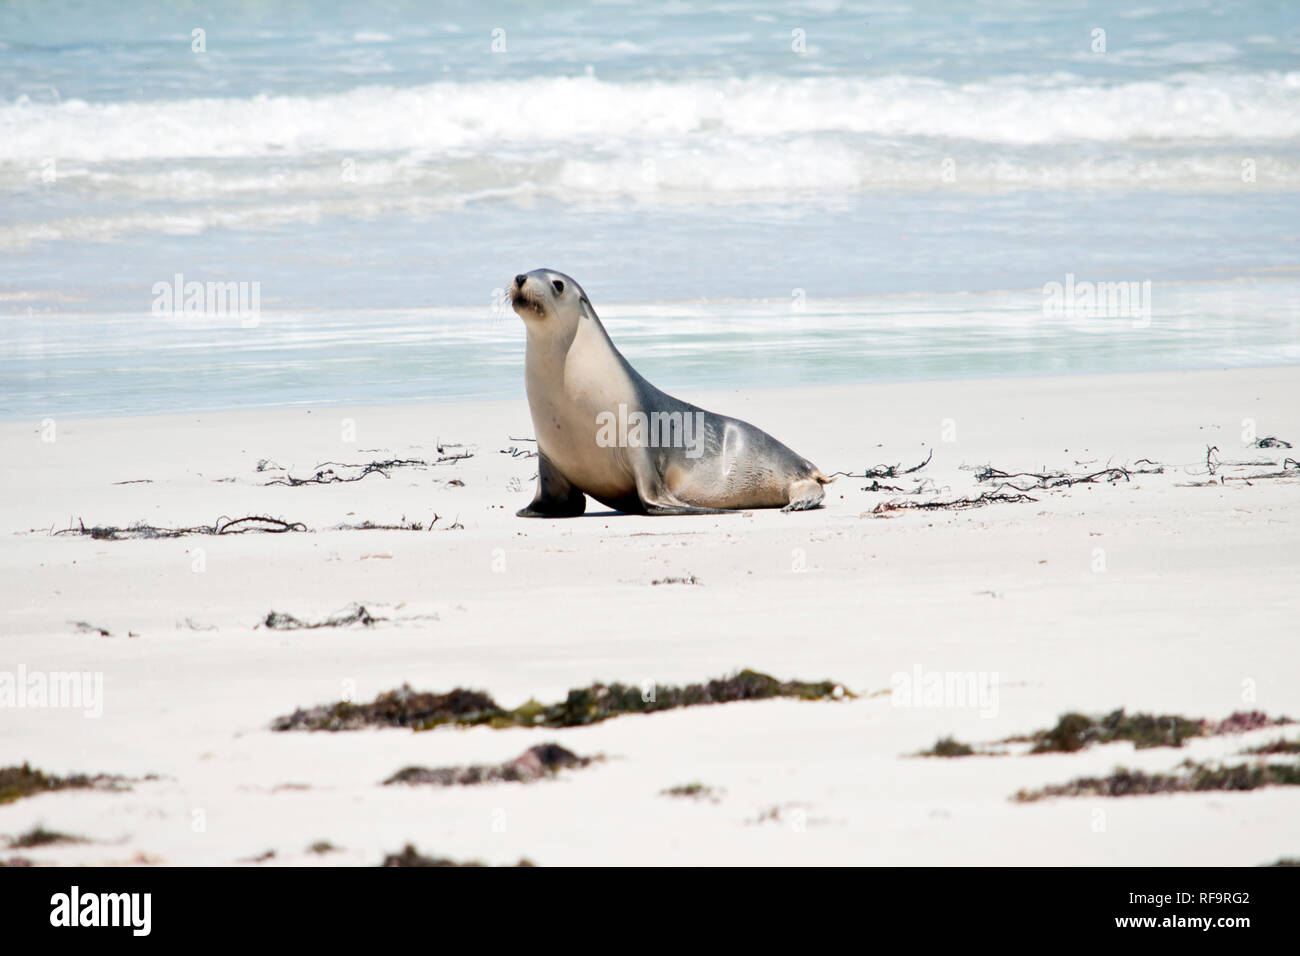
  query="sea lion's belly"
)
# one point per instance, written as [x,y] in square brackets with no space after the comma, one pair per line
[570,424]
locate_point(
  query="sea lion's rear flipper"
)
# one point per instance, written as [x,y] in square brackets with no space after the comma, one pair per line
[806,493]
[556,497]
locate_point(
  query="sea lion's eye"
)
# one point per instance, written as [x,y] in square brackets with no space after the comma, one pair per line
[558,286]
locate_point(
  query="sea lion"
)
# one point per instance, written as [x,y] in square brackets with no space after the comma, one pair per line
[603,430]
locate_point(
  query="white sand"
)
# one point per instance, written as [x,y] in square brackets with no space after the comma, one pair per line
[1195,611]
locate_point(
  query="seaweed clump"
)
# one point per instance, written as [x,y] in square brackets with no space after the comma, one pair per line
[410,856]
[39,836]
[403,707]
[1191,778]
[583,706]
[223,525]
[352,614]
[535,763]
[1074,732]
[948,747]
[591,705]
[1279,746]
[692,791]
[17,782]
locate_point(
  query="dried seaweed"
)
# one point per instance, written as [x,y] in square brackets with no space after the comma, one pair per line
[326,473]
[352,614]
[1290,469]
[877,486]
[403,525]
[885,471]
[223,525]
[959,504]
[1060,479]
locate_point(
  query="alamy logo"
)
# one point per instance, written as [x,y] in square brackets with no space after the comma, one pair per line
[655,430]
[73,690]
[946,689]
[181,299]
[1098,300]
[103,909]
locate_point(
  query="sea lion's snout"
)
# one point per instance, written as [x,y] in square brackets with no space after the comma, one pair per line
[525,301]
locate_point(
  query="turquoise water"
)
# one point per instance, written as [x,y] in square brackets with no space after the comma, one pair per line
[347,357]
[380,173]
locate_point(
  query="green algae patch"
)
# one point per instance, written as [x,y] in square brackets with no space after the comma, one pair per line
[17,782]
[1189,777]
[583,706]
[410,856]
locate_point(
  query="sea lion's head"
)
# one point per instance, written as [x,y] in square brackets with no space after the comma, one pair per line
[551,300]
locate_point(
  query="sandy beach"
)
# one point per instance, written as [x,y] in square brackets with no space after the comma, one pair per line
[1172,590]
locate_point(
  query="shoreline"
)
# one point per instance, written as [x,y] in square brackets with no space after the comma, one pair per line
[678,389]
[88,366]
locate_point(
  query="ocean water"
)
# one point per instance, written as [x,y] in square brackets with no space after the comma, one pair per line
[752,193]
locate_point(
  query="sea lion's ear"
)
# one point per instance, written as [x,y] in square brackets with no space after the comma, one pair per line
[588,311]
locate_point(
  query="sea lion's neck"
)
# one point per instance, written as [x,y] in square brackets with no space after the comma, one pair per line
[581,365]
[586,340]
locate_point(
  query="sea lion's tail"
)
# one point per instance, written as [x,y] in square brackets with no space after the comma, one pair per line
[817,474]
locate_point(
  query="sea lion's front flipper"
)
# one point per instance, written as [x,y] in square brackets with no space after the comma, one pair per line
[556,497]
